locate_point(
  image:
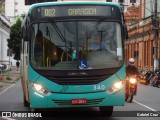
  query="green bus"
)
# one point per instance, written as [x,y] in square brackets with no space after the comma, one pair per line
[72,55]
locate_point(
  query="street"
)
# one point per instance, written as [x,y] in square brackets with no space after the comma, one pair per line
[147,101]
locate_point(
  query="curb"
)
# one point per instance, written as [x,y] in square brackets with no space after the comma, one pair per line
[1,79]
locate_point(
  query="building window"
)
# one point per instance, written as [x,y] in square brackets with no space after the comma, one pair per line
[132,1]
[16,10]
[30,2]
[16,3]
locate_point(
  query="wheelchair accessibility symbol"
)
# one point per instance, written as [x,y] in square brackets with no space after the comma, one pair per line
[83,64]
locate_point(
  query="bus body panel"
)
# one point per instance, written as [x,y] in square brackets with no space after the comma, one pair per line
[38,100]
[61,95]
[56,88]
[72,3]
[66,93]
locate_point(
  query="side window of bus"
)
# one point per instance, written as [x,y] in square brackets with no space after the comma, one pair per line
[38,49]
[49,49]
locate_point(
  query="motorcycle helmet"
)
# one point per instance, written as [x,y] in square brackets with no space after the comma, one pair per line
[131,61]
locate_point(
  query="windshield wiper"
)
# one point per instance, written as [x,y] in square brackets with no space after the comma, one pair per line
[95,27]
[58,31]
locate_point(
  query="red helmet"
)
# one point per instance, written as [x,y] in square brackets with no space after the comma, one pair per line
[131,61]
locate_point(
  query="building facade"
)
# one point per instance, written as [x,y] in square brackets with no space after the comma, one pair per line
[140,44]
[2,7]
[14,8]
[4,35]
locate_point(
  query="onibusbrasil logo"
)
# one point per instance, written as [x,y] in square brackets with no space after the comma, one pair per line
[20,114]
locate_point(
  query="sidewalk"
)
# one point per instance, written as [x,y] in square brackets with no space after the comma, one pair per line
[8,78]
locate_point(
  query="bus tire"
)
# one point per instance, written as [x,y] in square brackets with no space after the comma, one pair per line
[25,102]
[106,111]
[33,109]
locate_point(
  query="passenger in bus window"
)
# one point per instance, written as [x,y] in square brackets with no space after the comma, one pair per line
[38,49]
[99,44]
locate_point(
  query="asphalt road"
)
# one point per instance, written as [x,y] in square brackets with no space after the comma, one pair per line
[147,101]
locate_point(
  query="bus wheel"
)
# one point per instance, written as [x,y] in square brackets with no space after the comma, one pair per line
[33,109]
[25,102]
[106,111]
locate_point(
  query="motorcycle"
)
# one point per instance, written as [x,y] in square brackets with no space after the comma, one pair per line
[131,88]
[147,77]
[155,81]
[158,83]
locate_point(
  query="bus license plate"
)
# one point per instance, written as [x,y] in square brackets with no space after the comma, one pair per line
[78,101]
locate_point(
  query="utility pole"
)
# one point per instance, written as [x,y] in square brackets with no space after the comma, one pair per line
[155,27]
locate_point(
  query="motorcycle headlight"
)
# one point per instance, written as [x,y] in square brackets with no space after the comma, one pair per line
[39,88]
[132,80]
[116,87]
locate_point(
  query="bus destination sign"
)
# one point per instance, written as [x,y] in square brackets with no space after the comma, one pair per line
[63,11]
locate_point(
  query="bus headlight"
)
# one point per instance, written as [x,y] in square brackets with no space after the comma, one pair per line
[115,87]
[39,88]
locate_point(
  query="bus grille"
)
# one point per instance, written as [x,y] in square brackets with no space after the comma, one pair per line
[78,80]
[68,102]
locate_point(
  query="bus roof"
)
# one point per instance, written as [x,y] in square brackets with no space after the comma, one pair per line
[72,3]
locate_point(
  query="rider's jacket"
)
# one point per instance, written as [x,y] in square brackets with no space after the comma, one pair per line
[132,70]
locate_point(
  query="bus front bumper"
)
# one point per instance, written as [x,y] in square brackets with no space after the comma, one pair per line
[58,100]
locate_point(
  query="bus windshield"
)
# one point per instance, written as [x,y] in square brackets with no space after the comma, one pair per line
[72,45]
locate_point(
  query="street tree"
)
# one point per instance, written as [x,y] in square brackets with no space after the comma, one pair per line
[14,41]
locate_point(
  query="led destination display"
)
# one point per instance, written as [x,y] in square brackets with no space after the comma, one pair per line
[62,11]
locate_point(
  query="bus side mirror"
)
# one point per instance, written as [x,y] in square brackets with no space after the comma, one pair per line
[125,32]
[25,34]
[28,34]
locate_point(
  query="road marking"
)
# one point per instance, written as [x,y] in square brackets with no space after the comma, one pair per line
[146,106]
[7,118]
[6,89]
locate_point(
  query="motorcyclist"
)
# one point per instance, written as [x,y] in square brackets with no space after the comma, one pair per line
[131,70]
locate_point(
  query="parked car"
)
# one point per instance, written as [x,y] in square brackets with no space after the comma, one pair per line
[3,67]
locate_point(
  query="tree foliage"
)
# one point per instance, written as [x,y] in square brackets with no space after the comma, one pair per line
[14,42]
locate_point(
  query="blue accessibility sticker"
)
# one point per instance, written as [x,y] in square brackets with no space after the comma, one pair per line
[83,64]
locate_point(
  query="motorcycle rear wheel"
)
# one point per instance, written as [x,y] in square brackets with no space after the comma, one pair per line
[152,82]
[158,84]
[130,96]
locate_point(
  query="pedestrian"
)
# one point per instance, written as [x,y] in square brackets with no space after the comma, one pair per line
[17,64]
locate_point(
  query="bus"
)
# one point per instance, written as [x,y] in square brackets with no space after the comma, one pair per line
[72,55]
